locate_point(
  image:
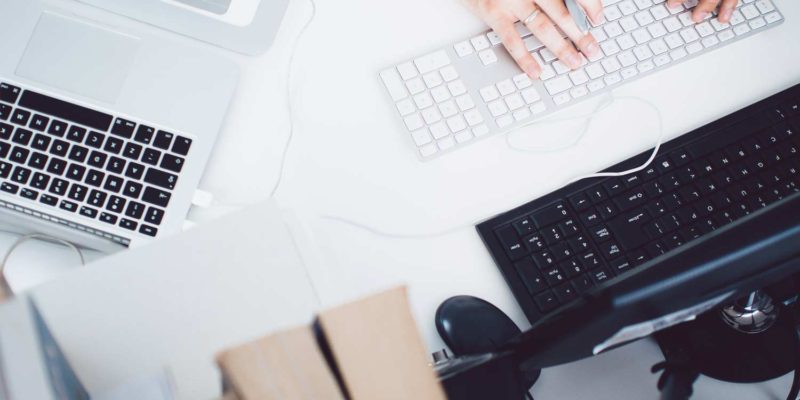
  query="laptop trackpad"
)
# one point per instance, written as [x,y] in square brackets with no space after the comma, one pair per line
[81,58]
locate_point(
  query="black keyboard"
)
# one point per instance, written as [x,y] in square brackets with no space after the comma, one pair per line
[555,248]
[87,162]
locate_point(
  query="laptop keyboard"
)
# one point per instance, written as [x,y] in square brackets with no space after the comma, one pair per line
[86,162]
[556,248]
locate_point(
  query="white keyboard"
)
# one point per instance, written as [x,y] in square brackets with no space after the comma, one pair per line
[451,97]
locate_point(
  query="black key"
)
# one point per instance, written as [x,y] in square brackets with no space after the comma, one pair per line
[136,210]
[65,110]
[546,301]
[591,261]
[554,276]
[163,140]
[607,211]
[582,283]
[627,230]
[572,268]
[620,265]
[569,228]
[132,151]
[161,199]
[76,134]
[41,142]
[94,178]
[5,112]
[97,198]
[579,244]
[22,136]
[148,230]
[561,251]
[21,175]
[507,235]
[9,93]
[88,212]
[116,204]
[38,160]
[123,128]
[534,242]
[113,184]
[5,148]
[5,131]
[19,154]
[664,164]
[548,215]
[113,145]
[552,235]
[9,187]
[68,206]
[600,233]
[95,139]
[134,170]
[76,172]
[600,275]
[78,192]
[632,181]
[523,227]
[116,165]
[144,134]
[544,259]
[630,200]
[163,179]
[181,145]
[680,157]
[565,292]
[21,117]
[40,180]
[57,128]
[591,218]
[580,202]
[59,148]
[56,166]
[638,257]
[610,250]
[132,189]
[151,156]
[614,186]
[97,159]
[29,194]
[530,276]
[172,163]
[597,194]
[39,122]
[49,200]
[108,218]
[128,224]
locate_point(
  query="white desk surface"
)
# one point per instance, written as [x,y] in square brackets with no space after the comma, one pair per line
[349,159]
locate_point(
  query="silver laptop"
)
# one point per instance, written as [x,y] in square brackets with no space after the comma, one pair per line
[106,121]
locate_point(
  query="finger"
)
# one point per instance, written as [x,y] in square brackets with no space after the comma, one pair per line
[516,47]
[674,3]
[594,9]
[726,10]
[560,15]
[704,9]
[544,30]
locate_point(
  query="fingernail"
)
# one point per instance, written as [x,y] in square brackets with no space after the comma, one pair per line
[592,49]
[573,61]
[532,72]
[725,14]
[701,16]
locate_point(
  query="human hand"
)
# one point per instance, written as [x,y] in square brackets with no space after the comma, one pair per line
[706,7]
[501,15]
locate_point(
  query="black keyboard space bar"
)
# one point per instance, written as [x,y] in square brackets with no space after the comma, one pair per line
[62,109]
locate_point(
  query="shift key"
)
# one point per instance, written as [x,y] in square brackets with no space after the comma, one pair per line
[160,178]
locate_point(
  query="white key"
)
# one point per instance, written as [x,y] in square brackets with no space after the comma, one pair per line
[522,81]
[741,29]
[506,87]
[599,34]
[610,65]
[644,18]
[538,108]
[489,93]
[694,47]
[406,107]
[560,67]
[595,71]
[773,17]
[628,73]
[662,59]
[423,100]
[547,55]
[673,41]
[596,85]
[480,43]
[504,121]
[764,6]
[421,137]
[578,77]
[456,124]
[473,117]
[677,54]
[415,86]
[561,98]
[704,29]
[690,4]
[494,38]
[440,94]
[675,10]
[449,73]
[645,66]
[522,113]
[439,130]
[626,58]
[642,53]
[718,26]
[532,43]
[413,122]
[463,49]
[480,130]
[446,143]
[465,102]
[627,7]
[530,95]
[612,79]
[749,11]
[642,4]
[407,70]
[626,42]
[658,46]
[659,12]
[613,29]
[431,115]
[628,24]
[428,150]
[672,24]
[758,23]
[448,109]
[689,35]
[724,36]
[610,48]
[394,84]
[522,30]
[487,57]
[457,87]
[612,13]
[686,19]
[579,92]
[463,136]
[641,36]
[432,79]
[737,18]
[497,108]
[547,73]
[432,62]
[557,85]
[657,30]
[710,41]
[514,102]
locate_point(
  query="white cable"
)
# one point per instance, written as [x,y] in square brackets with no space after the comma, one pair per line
[4,287]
